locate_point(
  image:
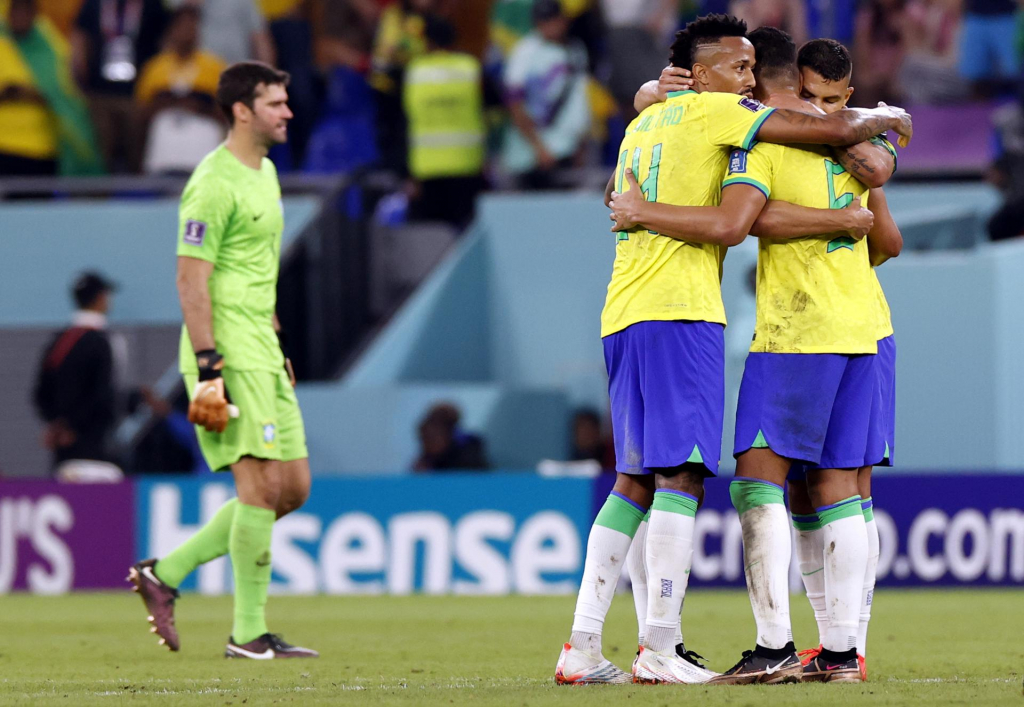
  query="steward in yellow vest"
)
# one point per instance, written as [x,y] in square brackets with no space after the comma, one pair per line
[443,101]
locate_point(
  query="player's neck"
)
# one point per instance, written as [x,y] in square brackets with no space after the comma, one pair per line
[779,94]
[248,151]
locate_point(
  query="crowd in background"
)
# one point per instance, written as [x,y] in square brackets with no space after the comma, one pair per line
[455,94]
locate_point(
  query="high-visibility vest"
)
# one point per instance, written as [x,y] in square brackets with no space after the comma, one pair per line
[444,105]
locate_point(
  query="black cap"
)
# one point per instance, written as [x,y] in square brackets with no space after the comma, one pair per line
[544,10]
[88,287]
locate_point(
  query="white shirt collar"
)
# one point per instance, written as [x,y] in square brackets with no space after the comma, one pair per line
[89,319]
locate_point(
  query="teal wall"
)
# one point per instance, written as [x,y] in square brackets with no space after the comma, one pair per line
[513,315]
[44,245]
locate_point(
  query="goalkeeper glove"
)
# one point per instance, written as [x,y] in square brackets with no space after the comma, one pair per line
[211,406]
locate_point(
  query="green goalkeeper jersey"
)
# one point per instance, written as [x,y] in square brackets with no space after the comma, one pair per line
[231,216]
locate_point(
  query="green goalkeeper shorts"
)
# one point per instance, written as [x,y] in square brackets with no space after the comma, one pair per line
[268,426]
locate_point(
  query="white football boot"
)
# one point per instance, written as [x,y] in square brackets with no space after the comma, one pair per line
[669,668]
[576,667]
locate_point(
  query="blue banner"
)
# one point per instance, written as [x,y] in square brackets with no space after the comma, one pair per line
[501,533]
[494,533]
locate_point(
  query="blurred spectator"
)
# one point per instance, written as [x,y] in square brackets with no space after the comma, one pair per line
[831,18]
[62,13]
[176,93]
[546,86]
[878,50]
[400,37]
[293,45]
[788,15]
[112,40]
[46,55]
[1007,173]
[344,33]
[443,101]
[28,135]
[444,446]
[988,51]
[637,39]
[589,442]
[234,30]
[75,391]
[929,73]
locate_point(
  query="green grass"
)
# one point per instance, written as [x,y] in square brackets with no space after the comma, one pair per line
[935,648]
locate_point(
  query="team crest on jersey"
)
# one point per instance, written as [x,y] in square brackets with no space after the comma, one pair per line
[839,243]
[269,434]
[738,162]
[751,105]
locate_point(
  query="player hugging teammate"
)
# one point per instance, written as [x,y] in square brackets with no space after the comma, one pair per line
[700,168]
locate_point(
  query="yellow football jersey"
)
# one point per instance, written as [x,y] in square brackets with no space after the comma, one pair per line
[815,294]
[678,151]
[884,315]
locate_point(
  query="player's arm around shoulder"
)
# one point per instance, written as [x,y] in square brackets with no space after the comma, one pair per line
[872,162]
[845,127]
[781,220]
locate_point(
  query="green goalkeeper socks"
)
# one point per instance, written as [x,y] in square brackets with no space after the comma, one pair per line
[250,559]
[208,544]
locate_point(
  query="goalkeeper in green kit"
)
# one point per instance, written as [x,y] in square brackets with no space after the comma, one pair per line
[239,380]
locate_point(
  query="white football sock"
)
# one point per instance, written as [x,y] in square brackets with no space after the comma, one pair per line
[810,556]
[767,549]
[846,562]
[669,554]
[637,564]
[609,541]
[868,593]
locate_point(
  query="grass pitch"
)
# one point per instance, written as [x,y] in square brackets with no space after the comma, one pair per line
[926,647]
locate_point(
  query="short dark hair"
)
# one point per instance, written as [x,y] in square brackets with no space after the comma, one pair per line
[239,82]
[826,57]
[703,31]
[775,52]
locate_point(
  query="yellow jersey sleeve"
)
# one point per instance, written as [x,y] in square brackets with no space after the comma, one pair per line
[733,121]
[882,141]
[755,167]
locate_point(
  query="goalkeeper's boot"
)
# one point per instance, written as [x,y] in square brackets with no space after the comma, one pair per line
[672,667]
[576,667]
[809,654]
[159,600]
[267,647]
[755,667]
[824,669]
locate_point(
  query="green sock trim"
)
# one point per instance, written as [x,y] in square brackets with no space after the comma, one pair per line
[209,543]
[750,493]
[806,524]
[675,502]
[251,531]
[621,515]
[648,516]
[869,509]
[847,508]
[760,442]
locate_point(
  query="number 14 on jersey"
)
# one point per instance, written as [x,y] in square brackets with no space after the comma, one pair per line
[649,187]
